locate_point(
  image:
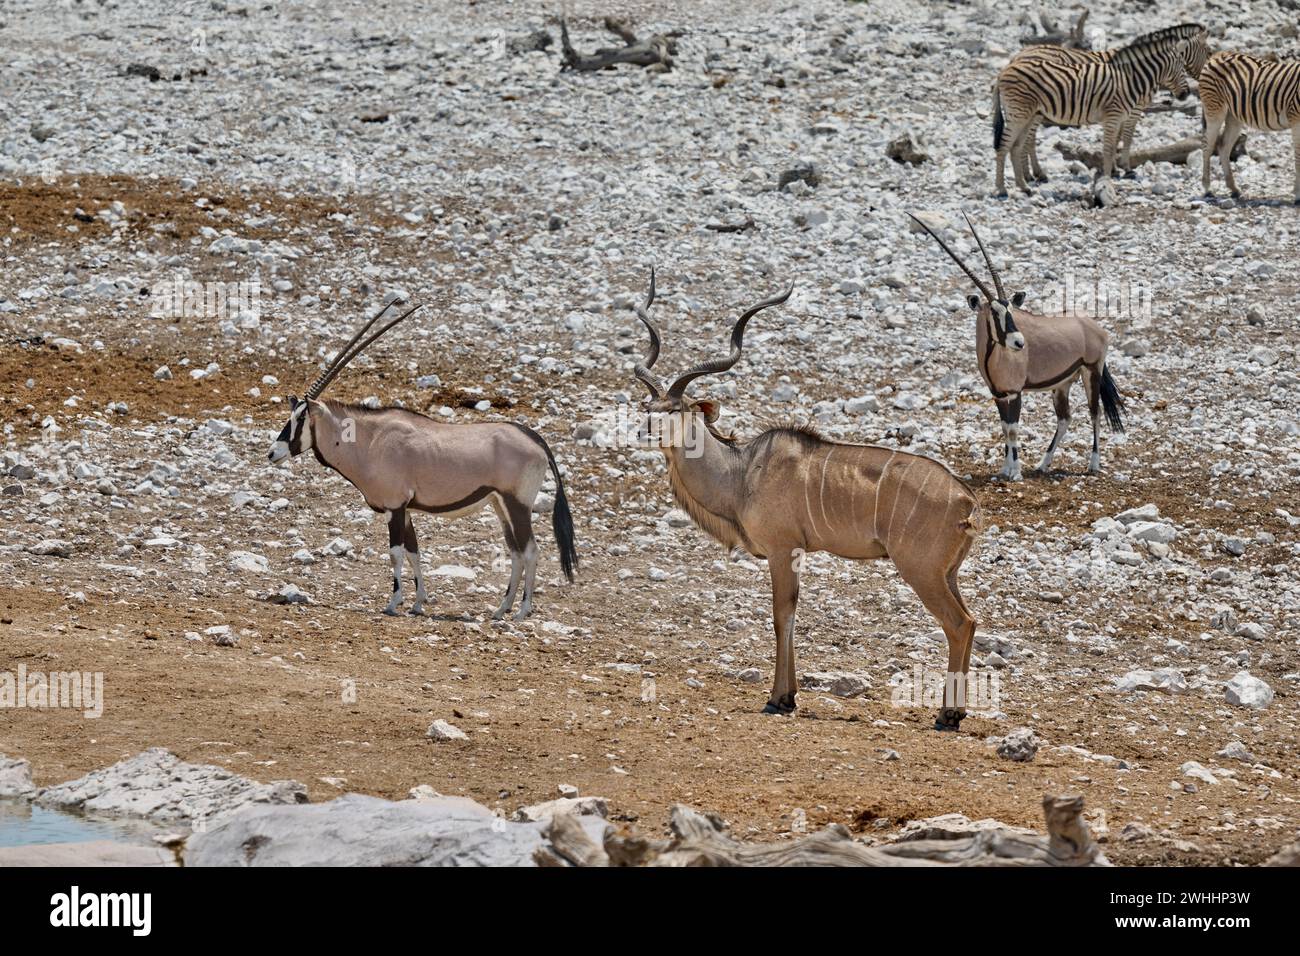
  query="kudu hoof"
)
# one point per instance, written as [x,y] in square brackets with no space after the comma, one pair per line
[781,708]
[949,719]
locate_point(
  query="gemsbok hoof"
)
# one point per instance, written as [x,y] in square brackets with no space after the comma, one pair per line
[391,611]
[949,719]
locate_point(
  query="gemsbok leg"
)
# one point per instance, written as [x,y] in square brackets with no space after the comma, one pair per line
[785,598]
[396,554]
[1092,379]
[412,548]
[1061,401]
[1009,410]
[516,560]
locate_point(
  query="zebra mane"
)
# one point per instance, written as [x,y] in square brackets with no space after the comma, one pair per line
[1147,40]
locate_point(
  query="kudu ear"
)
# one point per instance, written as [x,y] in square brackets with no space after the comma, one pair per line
[974,302]
[1018,299]
[710,410]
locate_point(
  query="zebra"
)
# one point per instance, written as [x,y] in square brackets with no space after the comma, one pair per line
[1239,90]
[1079,87]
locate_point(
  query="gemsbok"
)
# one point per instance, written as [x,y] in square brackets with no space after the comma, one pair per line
[789,492]
[1238,90]
[402,461]
[1021,351]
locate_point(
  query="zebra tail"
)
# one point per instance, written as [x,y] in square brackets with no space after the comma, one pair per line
[999,124]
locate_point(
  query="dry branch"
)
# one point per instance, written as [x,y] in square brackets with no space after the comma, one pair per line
[700,839]
[1054,36]
[1175,153]
[655,52]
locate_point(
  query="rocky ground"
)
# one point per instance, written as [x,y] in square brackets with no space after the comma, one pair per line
[1143,624]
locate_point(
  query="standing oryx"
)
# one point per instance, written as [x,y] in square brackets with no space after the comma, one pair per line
[402,461]
[1023,352]
[1080,87]
[1237,91]
[789,492]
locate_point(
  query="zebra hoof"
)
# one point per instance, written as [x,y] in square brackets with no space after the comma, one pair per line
[1003,195]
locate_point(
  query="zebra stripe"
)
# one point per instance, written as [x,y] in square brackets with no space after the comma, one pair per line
[1081,87]
[1239,90]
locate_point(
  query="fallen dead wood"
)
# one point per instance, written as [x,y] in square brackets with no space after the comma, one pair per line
[655,52]
[700,839]
[1053,35]
[1175,153]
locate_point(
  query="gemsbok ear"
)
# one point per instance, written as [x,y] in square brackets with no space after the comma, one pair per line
[1018,299]
[710,410]
[974,302]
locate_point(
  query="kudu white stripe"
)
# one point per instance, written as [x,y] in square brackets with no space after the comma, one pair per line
[403,462]
[740,494]
[1021,351]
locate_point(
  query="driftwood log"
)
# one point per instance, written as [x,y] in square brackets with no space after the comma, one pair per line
[1053,35]
[655,52]
[1175,153]
[700,839]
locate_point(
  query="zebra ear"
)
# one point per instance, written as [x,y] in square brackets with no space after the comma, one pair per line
[974,302]
[1018,299]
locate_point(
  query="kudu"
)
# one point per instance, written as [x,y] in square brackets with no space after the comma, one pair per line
[1021,351]
[402,462]
[789,492]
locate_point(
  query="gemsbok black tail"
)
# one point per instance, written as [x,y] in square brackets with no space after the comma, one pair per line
[562,522]
[1111,403]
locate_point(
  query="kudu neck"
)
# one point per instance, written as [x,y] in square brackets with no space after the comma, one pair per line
[707,471]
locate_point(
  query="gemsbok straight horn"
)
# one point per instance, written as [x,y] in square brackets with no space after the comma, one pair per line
[402,461]
[789,492]
[1021,351]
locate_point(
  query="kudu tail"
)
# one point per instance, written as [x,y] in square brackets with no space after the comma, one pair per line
[999,124]
[1111,403]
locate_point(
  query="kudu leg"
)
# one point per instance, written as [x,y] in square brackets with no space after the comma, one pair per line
[412,548]
[1009,411]
[785,598]
[1061,401]
[396,554]
[938,591]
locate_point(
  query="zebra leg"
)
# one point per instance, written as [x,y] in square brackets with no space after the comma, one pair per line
[1018,155]
[1061,401]
[1231,128]
[412,548]
[1212,126]
[396,529]
[1109,140]
[1009,411]
[1126,143]
[1295,144]
[1031,147]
